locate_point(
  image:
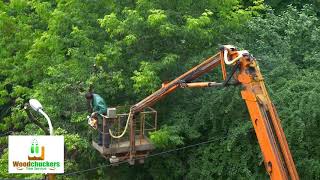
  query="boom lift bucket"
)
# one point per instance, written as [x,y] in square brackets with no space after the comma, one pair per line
[120,147]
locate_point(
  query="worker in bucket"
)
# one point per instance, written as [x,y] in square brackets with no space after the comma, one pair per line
[98,109]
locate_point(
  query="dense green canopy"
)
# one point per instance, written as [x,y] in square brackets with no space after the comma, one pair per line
[55,50]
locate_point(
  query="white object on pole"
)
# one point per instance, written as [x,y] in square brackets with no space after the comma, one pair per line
[48,119]
[35,104]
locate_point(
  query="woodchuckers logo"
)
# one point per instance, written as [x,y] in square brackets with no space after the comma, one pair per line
[35,153]
[39,157]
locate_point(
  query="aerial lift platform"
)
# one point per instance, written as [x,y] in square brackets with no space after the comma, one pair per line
[119,148]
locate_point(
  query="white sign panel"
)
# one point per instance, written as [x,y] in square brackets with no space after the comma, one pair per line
[36,154]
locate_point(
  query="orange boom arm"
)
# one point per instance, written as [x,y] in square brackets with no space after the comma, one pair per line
[272,141]
[168,88]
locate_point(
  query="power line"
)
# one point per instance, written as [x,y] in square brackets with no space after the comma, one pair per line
[186,147]
[152,155]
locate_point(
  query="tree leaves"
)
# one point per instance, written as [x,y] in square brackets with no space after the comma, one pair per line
[55,50]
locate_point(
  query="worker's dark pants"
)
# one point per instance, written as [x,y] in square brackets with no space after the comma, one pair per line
[104,131]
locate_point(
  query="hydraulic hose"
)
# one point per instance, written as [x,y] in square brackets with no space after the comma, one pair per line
[125,129]
[225,54]
[241,54]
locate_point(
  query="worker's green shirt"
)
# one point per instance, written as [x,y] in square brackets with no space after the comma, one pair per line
[98,104]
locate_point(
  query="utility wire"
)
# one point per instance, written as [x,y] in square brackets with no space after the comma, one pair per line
[186,147]
[152,155]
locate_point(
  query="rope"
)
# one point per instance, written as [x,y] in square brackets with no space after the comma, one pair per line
[152,155]
[125,129]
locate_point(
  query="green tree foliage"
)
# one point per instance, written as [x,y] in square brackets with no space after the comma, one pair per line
[55,50]
[281,5]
